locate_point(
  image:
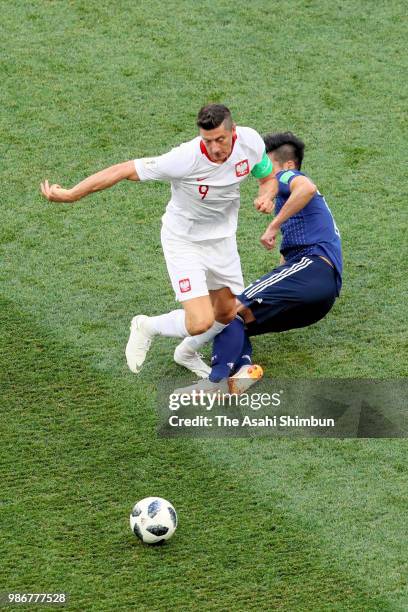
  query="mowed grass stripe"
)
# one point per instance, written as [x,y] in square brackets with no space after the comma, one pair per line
[76,456]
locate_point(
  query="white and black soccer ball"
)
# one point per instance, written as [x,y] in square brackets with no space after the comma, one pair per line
[153,519]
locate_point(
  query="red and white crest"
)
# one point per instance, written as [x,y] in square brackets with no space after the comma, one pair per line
[185,285]
[242,168]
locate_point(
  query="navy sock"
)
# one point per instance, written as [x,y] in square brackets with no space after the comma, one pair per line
[227,348]
[246,355]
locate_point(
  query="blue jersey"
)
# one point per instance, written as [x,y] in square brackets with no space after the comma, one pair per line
[311,231]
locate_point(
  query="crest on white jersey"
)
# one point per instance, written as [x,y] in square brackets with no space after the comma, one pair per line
[242,168]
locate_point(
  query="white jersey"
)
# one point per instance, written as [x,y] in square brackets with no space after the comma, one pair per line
[204,200]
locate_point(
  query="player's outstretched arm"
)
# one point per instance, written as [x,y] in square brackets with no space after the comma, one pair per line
[302,191]
[96,182]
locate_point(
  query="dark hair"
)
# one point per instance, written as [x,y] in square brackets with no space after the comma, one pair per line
[285,146]
[212,115]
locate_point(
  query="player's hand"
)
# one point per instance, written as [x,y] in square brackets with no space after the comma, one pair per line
[264,204]
[55,193]
[268,239]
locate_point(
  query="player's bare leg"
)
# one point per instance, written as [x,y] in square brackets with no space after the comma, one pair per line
[223,306]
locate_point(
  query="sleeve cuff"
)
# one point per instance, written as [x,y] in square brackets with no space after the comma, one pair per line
[140,169]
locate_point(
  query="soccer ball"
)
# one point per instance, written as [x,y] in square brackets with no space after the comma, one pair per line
[153,519]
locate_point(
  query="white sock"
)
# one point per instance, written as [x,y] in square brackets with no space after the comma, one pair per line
[195,342]
[172,324]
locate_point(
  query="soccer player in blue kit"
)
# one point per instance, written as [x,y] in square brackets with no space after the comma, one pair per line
[304,287]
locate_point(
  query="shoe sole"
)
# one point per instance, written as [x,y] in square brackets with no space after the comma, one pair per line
[245,378]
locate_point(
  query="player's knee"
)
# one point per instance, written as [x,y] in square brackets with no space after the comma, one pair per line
[199,325]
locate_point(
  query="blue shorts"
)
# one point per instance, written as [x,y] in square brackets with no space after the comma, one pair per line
[295,294]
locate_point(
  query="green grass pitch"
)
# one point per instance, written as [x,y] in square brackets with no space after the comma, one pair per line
[291,525]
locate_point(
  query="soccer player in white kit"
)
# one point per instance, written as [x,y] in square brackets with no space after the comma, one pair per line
[199,226]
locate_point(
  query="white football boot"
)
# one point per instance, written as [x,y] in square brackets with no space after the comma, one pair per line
[187,357]
[246,376]
[138,344]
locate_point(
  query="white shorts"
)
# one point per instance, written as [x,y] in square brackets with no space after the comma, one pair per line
[197,267]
